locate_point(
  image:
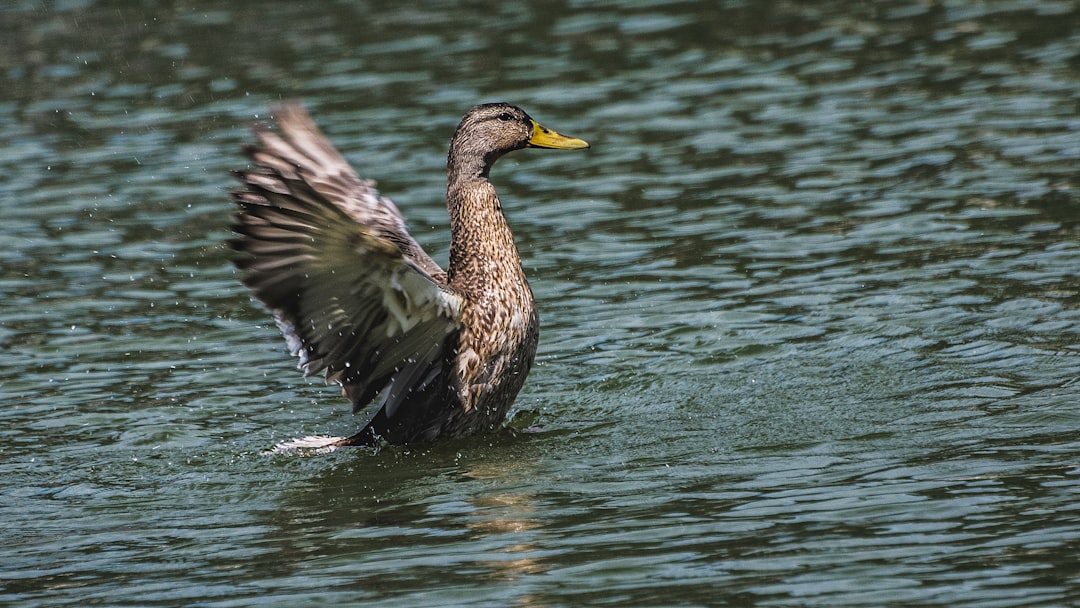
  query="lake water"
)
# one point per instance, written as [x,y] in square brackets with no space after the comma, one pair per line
[810,307]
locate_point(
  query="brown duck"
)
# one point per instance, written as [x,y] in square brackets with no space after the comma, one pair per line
[442,353]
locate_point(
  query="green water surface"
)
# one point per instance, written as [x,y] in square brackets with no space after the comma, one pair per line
[809,304]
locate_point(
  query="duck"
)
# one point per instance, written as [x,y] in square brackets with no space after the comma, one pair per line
[439,354]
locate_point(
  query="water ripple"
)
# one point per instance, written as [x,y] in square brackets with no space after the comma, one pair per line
[809,308]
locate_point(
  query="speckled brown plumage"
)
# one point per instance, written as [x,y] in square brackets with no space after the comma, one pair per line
[356,297]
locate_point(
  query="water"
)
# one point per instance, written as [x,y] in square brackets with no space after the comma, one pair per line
[810,307]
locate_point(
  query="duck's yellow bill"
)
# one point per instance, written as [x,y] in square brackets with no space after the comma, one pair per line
[543,137]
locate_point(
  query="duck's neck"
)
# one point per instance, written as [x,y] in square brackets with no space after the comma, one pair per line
[482,249]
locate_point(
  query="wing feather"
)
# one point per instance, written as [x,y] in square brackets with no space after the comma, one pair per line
[306,152]
[353,293]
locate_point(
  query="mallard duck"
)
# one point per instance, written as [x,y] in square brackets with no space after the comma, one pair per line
[441,353]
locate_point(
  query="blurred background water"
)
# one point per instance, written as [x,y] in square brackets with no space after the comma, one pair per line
[810,306]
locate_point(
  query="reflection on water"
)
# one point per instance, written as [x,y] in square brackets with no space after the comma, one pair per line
[809,307]
[512,516]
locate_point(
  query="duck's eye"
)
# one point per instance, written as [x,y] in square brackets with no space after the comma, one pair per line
[506,116]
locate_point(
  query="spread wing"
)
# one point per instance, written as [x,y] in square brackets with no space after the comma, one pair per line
[351,290]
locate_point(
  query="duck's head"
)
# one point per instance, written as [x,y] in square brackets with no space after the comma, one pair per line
[492,129]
